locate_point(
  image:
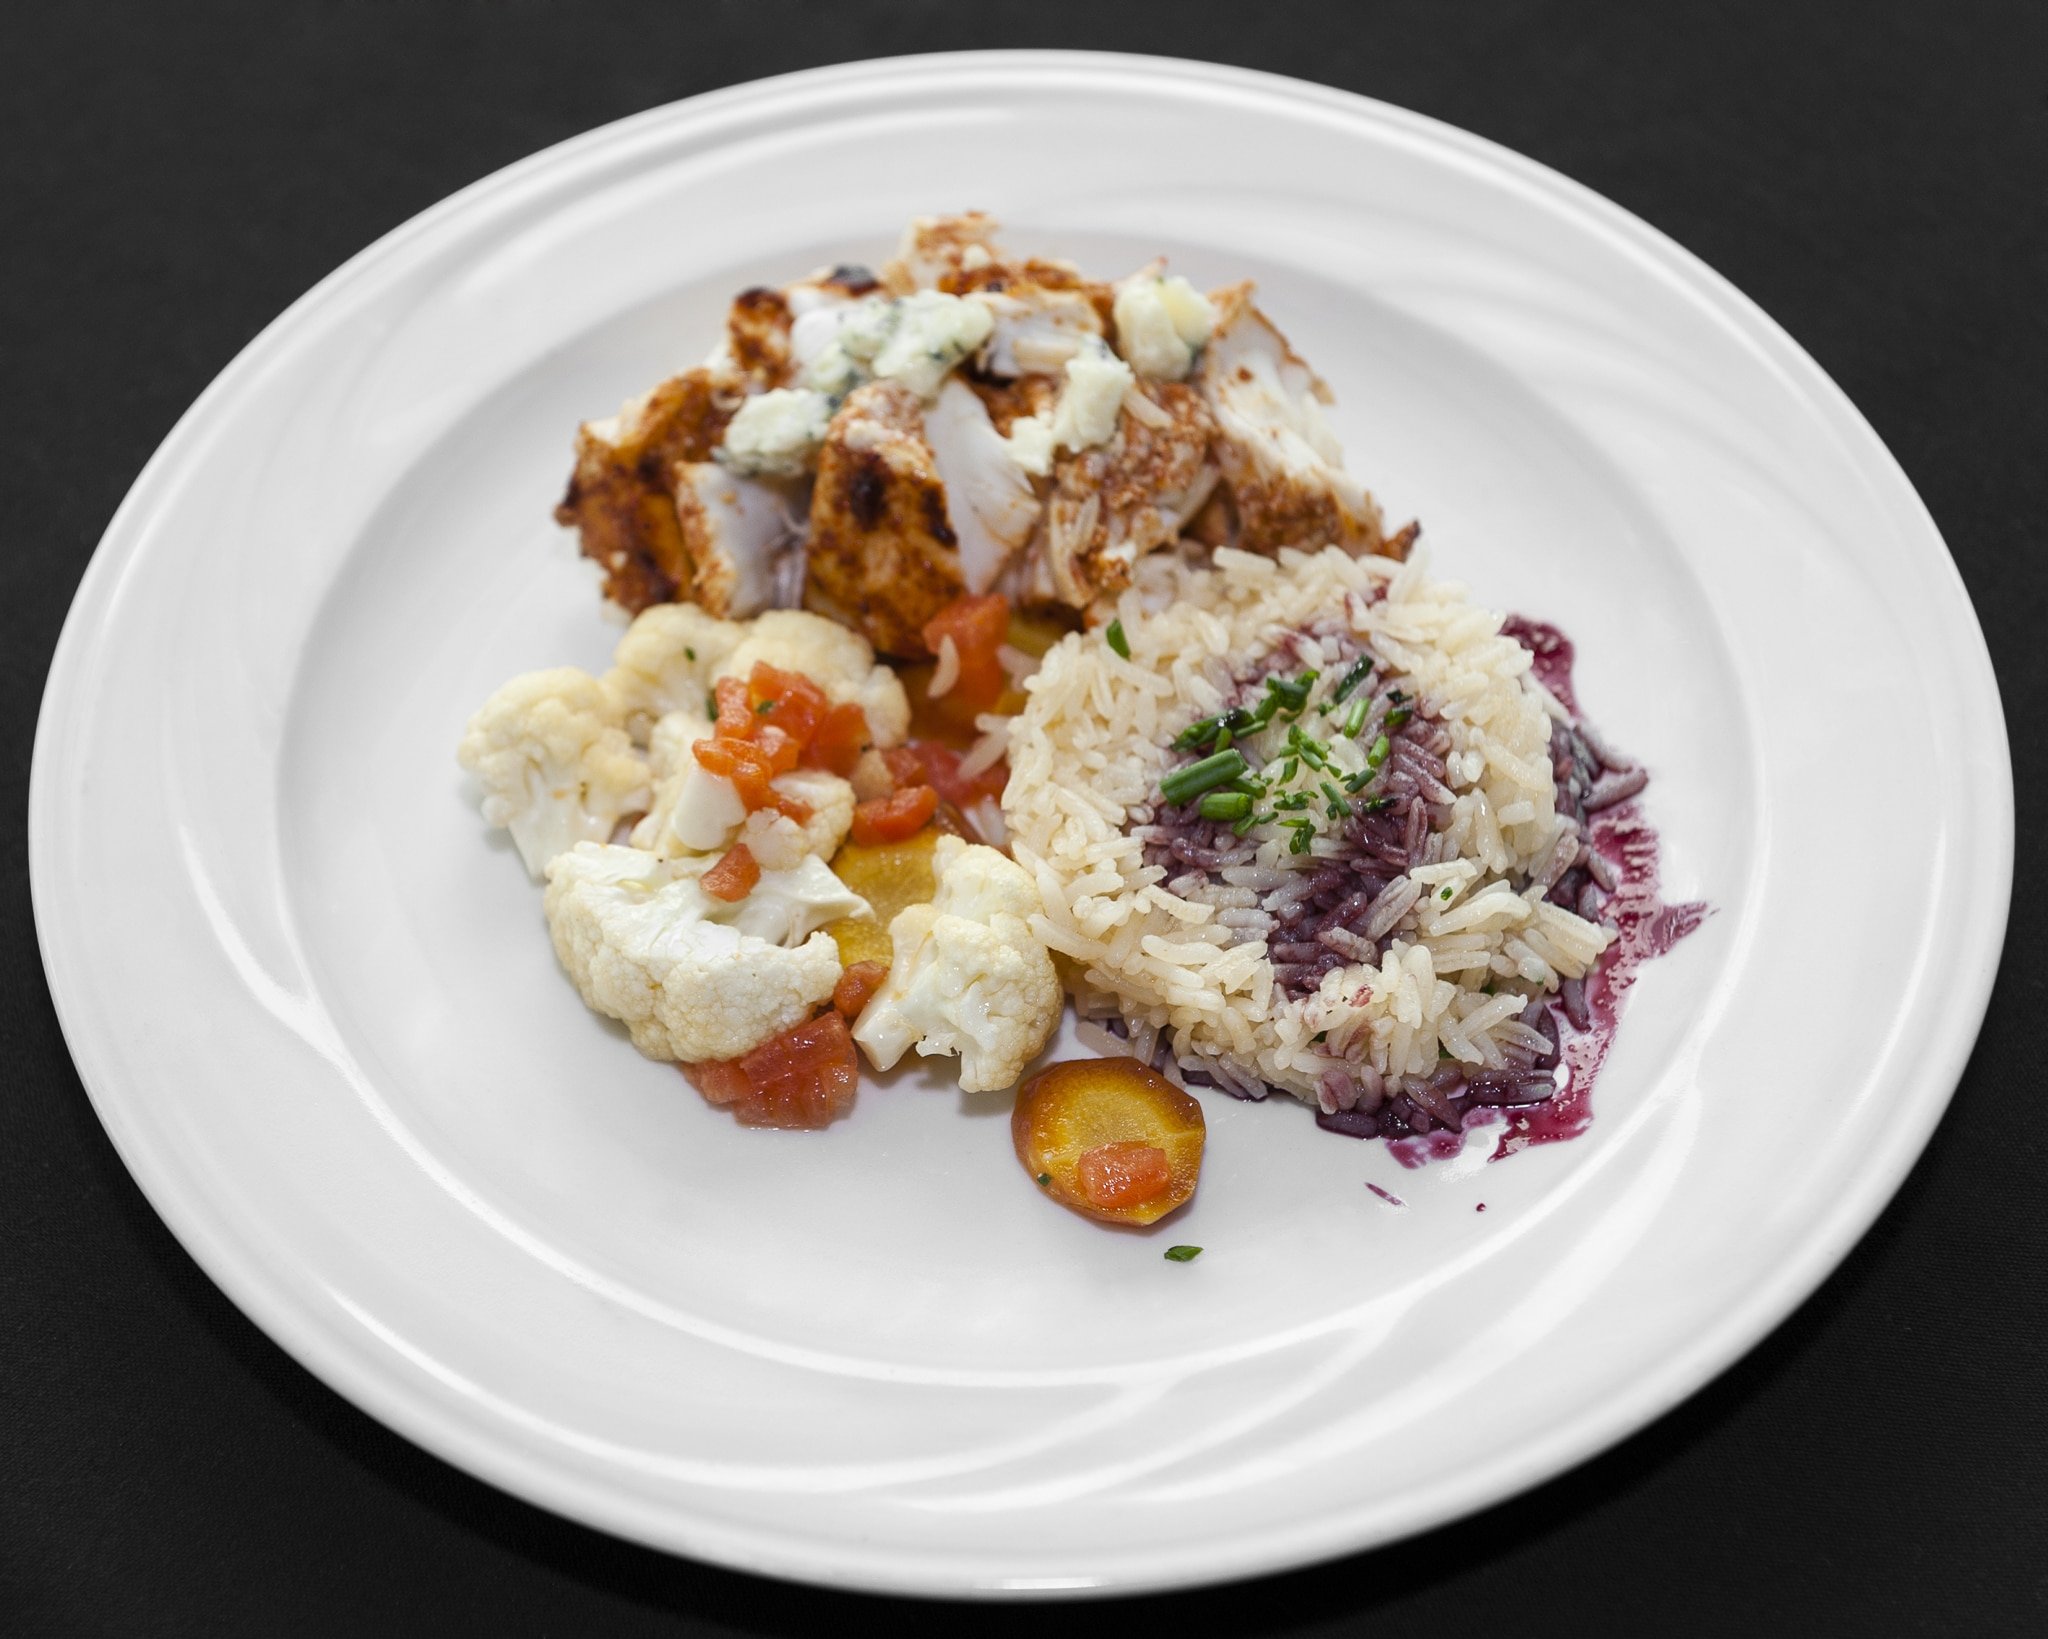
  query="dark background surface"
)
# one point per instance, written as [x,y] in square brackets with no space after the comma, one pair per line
[171,178]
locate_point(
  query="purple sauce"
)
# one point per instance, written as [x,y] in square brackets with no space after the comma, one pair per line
[1644,925]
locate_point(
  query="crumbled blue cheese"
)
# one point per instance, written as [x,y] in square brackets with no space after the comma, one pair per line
[776,433]
[933,332]
[1160,323]
[1085,415]
[916,340]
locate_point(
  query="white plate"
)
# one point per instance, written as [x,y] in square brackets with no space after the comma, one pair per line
[316,1008]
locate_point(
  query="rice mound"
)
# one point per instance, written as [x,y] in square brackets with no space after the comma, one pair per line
[1453,954]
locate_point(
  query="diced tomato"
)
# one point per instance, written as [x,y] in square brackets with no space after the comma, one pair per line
[735,710]
[734,876]
[842,735]
[806,1077]
[891,819]
[781,748]
[1123,1175]
[741,762]
[721,1081]
[978,627]
[794,807]
[856,985]
[906,765]
[789,701]
[927,762]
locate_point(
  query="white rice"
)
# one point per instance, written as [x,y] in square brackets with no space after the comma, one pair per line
[1470,939]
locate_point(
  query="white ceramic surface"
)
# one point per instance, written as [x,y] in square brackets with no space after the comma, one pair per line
[316,1008]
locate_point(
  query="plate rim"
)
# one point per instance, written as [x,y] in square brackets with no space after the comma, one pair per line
[1656,1391]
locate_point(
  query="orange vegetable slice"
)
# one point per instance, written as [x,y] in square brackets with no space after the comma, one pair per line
[1111,1138]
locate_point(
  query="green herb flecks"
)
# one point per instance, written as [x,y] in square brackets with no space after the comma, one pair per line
[1120,644]
[1360,669]
[1226,805]
[1309,749]
[1182,1254]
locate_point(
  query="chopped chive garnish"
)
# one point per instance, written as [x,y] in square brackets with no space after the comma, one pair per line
[1292,801]
[1245,824]
[1396,695]
[1360,670]
[1354,719]
[1378,754]
[1339,808]
[1308,748]
[1117,640]
[1445,894]
[1044,1178]
[1289,769]
[1182,1254]
[1355,783]
[1397,719]
[1223,738]
[689,653]
[1186,784]
[711,703]
[1379,804]
[1205,729]
[1291,692]
[765,707]
[1226,805]
[1304,832]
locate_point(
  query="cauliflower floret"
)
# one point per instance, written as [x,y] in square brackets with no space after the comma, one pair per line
[693,811]
[691,977]
[696,812]
[666,661]
[839,661]
[968,976]
[557,767]
[830,800]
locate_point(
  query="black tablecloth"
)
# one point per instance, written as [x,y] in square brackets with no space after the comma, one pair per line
[172,177]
